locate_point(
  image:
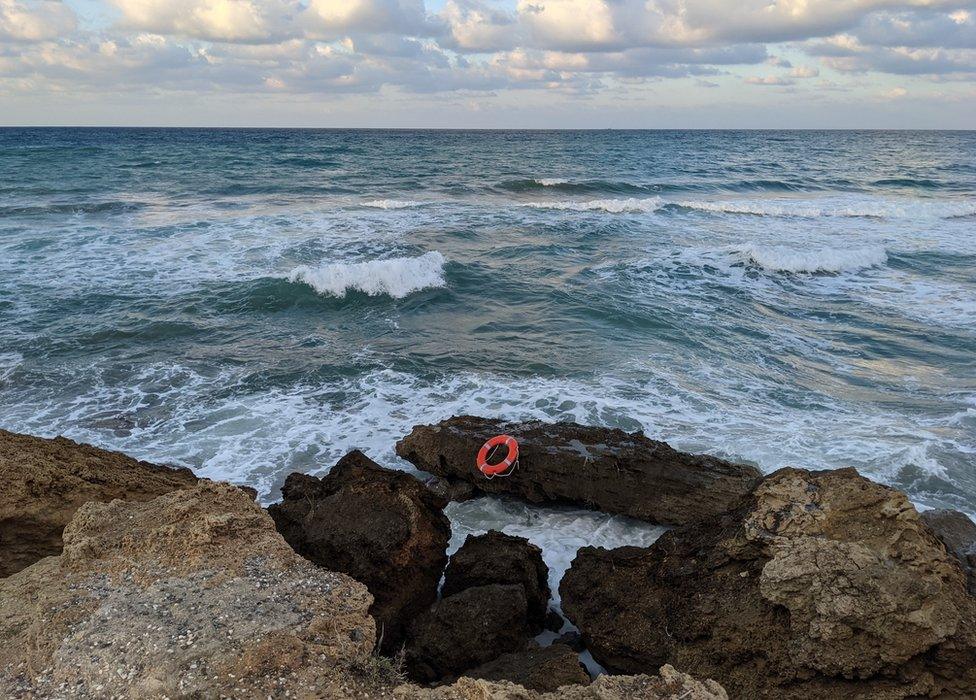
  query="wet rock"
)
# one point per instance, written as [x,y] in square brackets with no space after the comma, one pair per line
[465,630]
[380,526]
[669,685]
[573,639]
[504,559]
[193,594]
[451,490]
[601,468]
[958,533]
[554,621]
[543,669]
[822,585]
[46,481]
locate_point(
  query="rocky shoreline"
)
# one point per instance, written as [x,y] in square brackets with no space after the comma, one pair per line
[127,579]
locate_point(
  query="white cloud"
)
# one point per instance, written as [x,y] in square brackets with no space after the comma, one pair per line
[804,72]
[475,26]
[34,21]
[768,80]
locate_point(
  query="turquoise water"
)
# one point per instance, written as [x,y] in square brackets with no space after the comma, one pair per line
[252,302]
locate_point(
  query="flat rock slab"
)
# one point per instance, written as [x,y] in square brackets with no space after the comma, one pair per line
[601,468]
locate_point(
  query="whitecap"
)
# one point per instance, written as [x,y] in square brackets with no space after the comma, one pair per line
[613,206]
[786,259]
[551,181]
[395,277]
[393,204]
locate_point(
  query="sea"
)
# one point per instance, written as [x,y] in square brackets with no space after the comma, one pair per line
[250,302]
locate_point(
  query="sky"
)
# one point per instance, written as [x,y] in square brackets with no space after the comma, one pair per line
[490,63]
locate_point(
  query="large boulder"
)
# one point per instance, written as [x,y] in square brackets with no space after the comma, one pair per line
[537,668]
[958,533]
[193,594]
[380,526]
[45,481]
[504,559]
[466,630]
[601,468]
[820,585]
[668,685]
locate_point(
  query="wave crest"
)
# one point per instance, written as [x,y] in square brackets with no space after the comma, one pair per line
[395,277]
[786,259]
[392,204]
[614,206]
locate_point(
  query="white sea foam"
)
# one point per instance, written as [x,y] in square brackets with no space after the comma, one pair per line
[551,181]
[393,204]
[786,259]
[395,277]
[613,206]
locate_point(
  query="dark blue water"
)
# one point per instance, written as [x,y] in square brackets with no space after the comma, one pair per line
[252,302]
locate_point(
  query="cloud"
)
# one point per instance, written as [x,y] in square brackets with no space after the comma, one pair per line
[804,72]
[476,27]
[214,20]
[34,21]
[768,80]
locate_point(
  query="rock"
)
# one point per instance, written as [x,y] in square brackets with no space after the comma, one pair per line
[669,685]
[465,630]
[382,527]
[958,533]
[821,585]
[504,559]
[573,639]
[600,468]
[554,621]
[543,669]
[193,594]
[46,481]
[451,490]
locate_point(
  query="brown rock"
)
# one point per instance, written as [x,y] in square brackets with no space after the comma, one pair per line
[193,594]
[466,630]
[822,585]
[504,559]
[543,669]
[380,526]
[669,685]
[600,468]
[46,481]
[958,533]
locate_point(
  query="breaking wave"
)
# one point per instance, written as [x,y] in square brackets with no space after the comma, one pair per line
[395,277]
[392,204]
[786,259]
[613,206]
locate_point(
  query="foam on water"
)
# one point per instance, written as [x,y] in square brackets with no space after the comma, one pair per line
[396,277]
[788,259]
[612,206]
[393,204]
[551,181]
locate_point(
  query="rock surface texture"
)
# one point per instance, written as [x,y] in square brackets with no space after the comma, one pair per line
[382,527]
[609,470]
[193,594]
[669,685]
[821,585]
[543,669]
[958,533]
[46,481]
[503,559]
[466,630]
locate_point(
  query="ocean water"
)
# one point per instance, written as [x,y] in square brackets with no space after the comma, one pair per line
[254,302]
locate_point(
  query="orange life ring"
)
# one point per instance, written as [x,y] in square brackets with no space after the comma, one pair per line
[510,458]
